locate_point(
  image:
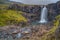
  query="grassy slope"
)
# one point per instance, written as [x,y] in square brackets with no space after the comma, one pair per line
[11,16]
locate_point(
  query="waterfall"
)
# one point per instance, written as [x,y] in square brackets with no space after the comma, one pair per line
[43,15]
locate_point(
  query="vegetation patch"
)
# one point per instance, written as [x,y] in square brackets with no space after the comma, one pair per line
[10,17]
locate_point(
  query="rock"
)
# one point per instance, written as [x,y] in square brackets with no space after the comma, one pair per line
[3,34]
[52,11]
[58,7]
[31,12]
[14,7]
[9,37]
[27,8]
[25,30]
[34,29]
[18,35]
[15,32]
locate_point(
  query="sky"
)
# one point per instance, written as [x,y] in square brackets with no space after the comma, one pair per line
[37,2]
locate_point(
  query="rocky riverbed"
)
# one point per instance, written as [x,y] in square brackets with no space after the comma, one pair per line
[30,32]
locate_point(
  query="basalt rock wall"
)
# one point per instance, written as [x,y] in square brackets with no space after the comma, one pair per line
[32,12]
[53,10]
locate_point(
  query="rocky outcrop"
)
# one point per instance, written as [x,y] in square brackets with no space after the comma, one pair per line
[27,8]
[14,7]
[53,10]
[58,7]
[22,33]
[32,12]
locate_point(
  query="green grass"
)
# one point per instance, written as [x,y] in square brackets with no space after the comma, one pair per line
[11,17]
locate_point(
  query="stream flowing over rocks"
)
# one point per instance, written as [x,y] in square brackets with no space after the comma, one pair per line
[23,33]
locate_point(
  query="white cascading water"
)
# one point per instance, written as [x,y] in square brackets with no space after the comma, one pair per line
[43,15]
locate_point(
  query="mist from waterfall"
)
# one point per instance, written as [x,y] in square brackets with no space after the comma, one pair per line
[43,15]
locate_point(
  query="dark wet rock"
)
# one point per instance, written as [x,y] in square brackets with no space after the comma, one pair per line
[53,10]
[58,7]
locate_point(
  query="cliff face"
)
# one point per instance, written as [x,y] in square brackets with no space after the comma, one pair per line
[26,8]
[53,10]
[33,12]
